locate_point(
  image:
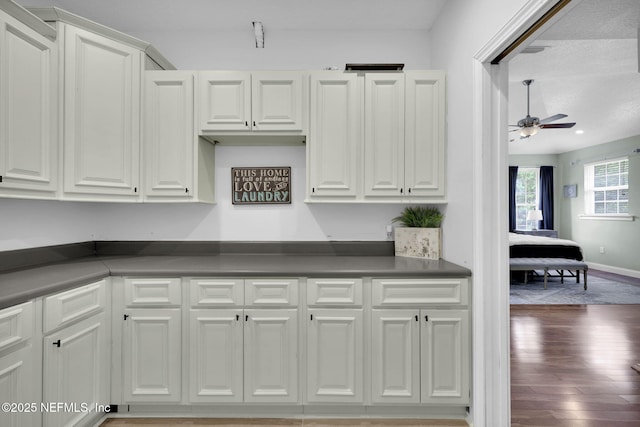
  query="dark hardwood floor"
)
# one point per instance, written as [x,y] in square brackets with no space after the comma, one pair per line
[571,365]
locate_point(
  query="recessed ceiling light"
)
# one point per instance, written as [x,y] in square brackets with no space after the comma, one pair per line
[579,132]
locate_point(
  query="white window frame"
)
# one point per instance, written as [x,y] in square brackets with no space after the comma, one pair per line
[590,189]
[528,224]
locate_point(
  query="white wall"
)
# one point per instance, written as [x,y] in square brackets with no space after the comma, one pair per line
[463,27]
[49,223]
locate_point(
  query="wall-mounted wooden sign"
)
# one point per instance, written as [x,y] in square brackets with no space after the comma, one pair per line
[250,186]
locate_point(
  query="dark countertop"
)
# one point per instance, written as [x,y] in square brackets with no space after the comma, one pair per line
[19,286]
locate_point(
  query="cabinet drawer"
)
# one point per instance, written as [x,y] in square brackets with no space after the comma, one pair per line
[16,324]
[152,292]
[271,292]
[216,292]
[334,291]
[405,292]
[67,307]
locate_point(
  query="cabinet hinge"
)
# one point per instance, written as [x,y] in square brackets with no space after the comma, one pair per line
[57,343]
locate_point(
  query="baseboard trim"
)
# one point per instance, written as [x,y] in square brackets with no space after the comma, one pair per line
[615,270]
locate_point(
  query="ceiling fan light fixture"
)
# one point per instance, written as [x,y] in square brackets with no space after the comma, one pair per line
[529,131]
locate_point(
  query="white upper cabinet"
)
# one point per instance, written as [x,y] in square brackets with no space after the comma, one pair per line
[168,134]
[335,134]
[28,112]
[425,134]
[233,101]
[225,101]
[101,116]
[384,134]
[401,156]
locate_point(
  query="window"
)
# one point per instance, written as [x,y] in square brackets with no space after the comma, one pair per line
[606,187]
[526,195]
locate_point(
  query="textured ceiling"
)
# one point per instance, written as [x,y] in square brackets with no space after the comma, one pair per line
[589,71]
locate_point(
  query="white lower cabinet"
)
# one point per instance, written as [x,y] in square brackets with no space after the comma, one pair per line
[152,348]
[216,356]
[335,356]
[76,372]
[420,356]
[243,355]
[395,356]
[271,356]
[239,353]
[19,375]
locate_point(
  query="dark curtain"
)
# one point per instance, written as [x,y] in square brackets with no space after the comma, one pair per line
[513,177]
[546,196]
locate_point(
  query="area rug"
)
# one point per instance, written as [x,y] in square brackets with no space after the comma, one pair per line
[603,288]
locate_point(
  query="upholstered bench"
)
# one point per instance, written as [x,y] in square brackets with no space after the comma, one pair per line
[546,264]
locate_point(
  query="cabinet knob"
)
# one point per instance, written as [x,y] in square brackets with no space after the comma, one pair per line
[254,123]
[416,317]
[126,316]
[246,124]
[401,191]
[426,318]
[409,190]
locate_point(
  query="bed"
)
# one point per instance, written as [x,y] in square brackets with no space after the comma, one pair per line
[528,246]
[531,253]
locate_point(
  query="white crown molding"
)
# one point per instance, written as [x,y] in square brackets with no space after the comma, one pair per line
[54,14]
[28,18]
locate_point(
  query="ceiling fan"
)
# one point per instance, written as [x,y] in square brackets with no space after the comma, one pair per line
[530,125]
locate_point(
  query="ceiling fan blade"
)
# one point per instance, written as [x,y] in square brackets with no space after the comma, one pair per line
[558,126]
[553,118]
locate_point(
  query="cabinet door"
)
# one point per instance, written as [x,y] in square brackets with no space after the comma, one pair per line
[445,356]
[76,371]
[334,142]
[18,384]
[395,359]
[215,348]
[271,356]
[425,134]
[225,101]
[152,355]
[277,101]
[28,93]
[101,115]
[168,134]
[384,134]
[335,356]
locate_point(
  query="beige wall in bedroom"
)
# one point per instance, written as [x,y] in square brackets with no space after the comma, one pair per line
[619,238]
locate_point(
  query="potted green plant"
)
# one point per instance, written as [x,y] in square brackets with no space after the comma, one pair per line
[420,235]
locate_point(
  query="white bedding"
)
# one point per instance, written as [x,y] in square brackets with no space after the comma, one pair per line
[527,239]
